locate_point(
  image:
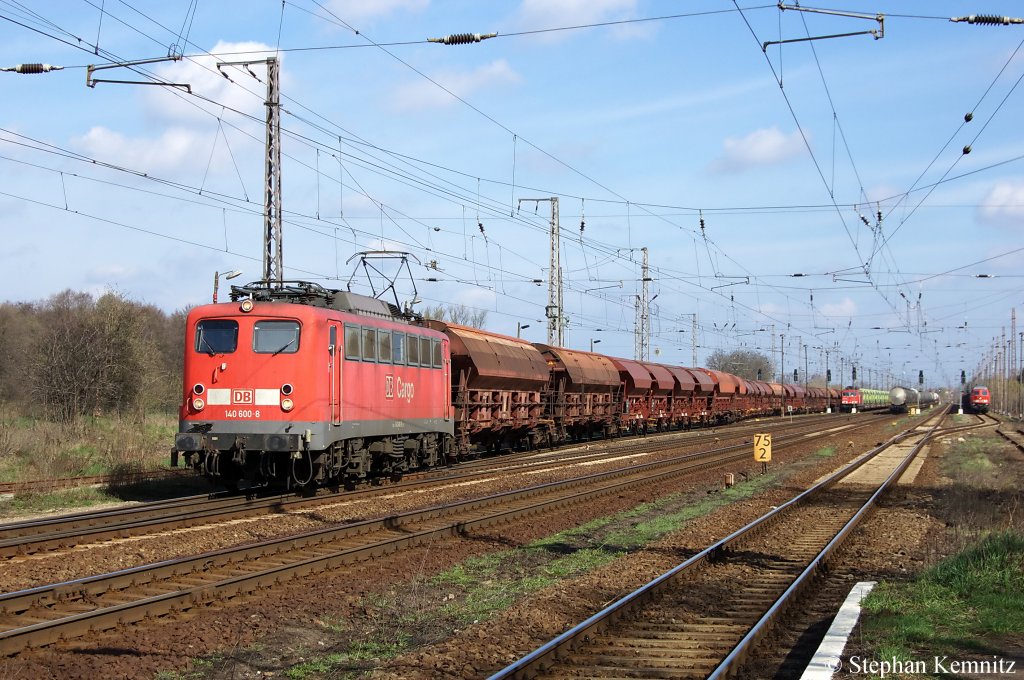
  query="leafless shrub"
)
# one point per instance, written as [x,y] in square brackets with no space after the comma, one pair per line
[457,314]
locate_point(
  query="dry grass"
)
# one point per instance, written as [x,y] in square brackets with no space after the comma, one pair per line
[32,448]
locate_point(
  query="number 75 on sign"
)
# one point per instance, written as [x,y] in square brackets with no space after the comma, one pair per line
[763,448]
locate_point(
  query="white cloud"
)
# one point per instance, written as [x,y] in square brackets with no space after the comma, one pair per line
[352,11]
[112,271]
[540,14]
[422,94]
[189,130]
[476,298]
[846,308]
[764,147]
[174,150]
[242,92]
[1004,204]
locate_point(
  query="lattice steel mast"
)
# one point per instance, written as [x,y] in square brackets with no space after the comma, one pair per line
[554,310]
[273,267]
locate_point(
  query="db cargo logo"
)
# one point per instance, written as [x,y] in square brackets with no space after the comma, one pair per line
[243,397]
[405,390]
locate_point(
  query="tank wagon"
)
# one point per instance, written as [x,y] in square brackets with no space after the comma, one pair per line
[294,385]
[903,398]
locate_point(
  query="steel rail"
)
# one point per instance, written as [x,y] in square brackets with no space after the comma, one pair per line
[738,656]
[56,533]
[561,647]
[1014,438]
[123,479]
[313,554]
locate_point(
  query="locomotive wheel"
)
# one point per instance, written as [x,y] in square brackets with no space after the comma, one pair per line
[396,476]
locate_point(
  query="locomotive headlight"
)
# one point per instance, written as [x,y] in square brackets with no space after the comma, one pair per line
[247,306]
[287,404]
[198,389]
[198,404]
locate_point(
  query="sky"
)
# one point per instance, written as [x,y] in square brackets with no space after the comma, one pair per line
[754,175]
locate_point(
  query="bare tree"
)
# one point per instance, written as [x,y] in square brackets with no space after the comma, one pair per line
[457,314]
[90,356]
[744,363]
[73,355]
[19,329]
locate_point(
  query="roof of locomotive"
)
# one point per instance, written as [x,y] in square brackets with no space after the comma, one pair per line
[301,312]
[315,295]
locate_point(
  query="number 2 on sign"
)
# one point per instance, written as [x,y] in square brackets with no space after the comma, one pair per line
[763,448]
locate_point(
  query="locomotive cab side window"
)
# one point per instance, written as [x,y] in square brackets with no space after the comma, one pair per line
[398,347]
[384,346]
[275,337]
[217,336]
[369,344]
[414,350]
[352,350]
[438,357]
[425,352]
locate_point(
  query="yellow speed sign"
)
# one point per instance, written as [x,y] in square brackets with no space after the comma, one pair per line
[763,448]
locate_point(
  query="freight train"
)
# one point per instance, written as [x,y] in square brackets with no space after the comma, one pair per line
[296,384]
[903,398]
[863,399]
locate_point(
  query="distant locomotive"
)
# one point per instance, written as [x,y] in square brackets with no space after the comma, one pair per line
[980,400]
[293,385]
[863,399]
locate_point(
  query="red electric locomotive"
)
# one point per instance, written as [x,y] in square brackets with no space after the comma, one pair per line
[980,400]
[296,384]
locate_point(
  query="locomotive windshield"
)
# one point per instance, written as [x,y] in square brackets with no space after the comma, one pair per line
[275,337]
[217,336]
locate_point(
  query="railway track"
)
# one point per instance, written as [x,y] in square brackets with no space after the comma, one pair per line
[118,479]
[66,531]
[1014,436]
[46,614]
[704,618]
